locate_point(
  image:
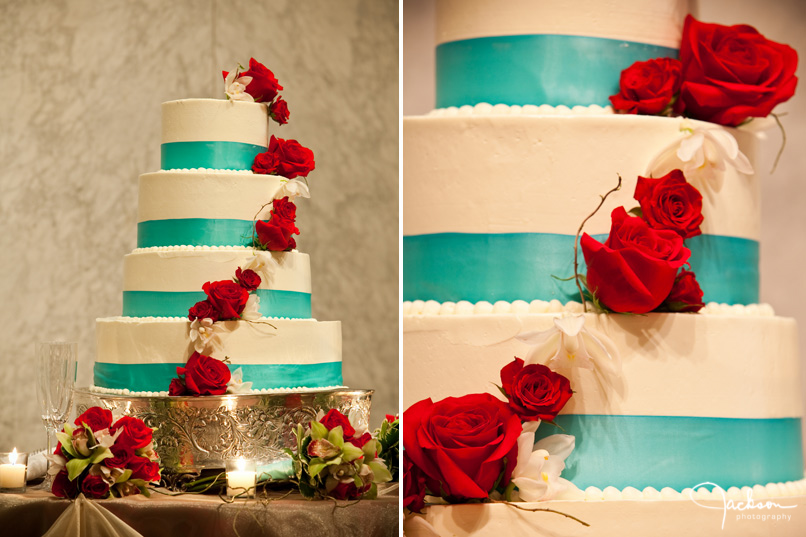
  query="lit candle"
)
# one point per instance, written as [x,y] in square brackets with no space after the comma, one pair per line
[12,475]
[240,480]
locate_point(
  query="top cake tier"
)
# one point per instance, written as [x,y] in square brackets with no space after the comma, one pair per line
[544,52]
[213,134]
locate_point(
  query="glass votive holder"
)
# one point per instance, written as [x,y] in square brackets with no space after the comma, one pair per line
[13,471]
[241,478]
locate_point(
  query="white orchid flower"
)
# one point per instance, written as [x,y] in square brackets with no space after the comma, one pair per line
[358,420]
[537,473]
[569,344]
[264,264]
[293,188]
[203,334]
[235,87]
[57,463]
[236,383]
[106,440]
[251,311]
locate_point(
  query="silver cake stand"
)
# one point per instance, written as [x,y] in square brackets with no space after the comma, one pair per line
[192,434]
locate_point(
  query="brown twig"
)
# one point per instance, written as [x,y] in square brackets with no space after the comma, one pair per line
[546,509]
[783,142]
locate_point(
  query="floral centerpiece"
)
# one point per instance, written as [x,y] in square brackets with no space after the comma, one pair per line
[101,458]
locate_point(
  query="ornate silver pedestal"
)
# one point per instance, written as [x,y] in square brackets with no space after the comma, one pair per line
[192,434]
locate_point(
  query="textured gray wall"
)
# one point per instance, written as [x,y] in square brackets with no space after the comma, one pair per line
[783,249]
[81,84]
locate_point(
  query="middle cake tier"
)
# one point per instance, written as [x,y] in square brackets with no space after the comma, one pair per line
[167,281]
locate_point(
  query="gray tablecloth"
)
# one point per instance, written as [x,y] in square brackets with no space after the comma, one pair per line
[33,513]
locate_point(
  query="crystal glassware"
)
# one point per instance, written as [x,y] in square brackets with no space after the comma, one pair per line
[56,375]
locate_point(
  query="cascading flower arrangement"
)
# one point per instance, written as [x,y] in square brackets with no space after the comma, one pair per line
[335,460]
[102,459]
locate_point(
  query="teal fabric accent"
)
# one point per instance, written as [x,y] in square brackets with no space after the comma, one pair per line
[214,155]
[522,266]
[277,471]
[536,69]
[157,377]
[195,232]
[273,303]
[679,452]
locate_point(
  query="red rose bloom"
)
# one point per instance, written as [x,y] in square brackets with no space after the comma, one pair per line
[144,469]
[227,297]
[96,417]
[278,111]
[94,487]
[686,295]
[413,485]
[359,441]
[284,209]
[462,444]
[205,375]
[670,203]
[121,455]
[275,235]
[535,392]
[248,279]
[266,163]
[264,86]
[136,434]
[203,310]
[648,87]
[348,491]
[177,387]
[63,487]
[634,270]
[334,418]
[293,159]
[731,73]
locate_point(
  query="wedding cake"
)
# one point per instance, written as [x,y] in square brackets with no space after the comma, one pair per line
[691,384]
[216,273]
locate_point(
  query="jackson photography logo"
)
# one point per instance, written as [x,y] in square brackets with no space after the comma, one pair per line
[746,508]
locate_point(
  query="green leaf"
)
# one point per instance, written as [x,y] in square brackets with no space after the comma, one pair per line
[372,493]
[101,454]
[68,429]
[336,436]
[369,450]
[636,211]
[306,490]
[315,466]
[66,440]
[351,452]
[318,430]
[90,436]
[382,473]
[127,473]
[75,467]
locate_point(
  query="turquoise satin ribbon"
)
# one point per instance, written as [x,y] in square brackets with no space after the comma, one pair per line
[679,452]
[213,155]
[536,69]
[273,303]
[195,232]
[157,377]
[520,266]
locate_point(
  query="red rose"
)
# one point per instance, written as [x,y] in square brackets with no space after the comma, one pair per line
[348,490]
[248,279]
[278,111]
[670,203]
[266,163]
[634,270]
[275,235]
[284,209]
[264,86]
[686,295]
[731,73]
[94,487]
[648,87]
[205,375]
[96,418]
[136,434]
[227,297]
[413,485]
[177,387]
[121,455]
[293,159]
[462,444]
[144,469]
[63,487]
[535,392]
[203,310]
[334,418]
[360,441]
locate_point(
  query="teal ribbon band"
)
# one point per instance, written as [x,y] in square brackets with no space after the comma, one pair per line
[195,232]
[273,303]
[679,452]
[157,377]
[213,155]
[525,266]
[536,69]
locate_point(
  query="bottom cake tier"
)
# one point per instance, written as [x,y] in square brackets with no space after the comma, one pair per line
[712,396]
[139,355]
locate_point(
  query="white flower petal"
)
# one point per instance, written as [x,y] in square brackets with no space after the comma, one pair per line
[558,445]
[570,325]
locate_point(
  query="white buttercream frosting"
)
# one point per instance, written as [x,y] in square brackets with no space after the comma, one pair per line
[487,109]
[298,389]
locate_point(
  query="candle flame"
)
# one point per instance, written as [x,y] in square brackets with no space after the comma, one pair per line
[12,457]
